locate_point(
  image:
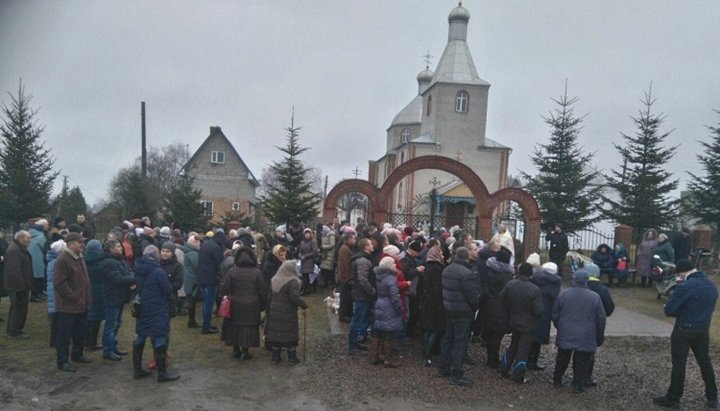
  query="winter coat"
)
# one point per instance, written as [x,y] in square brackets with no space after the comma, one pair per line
[18,268]
[344,264]
[682,245]
[174,271]
[524,301]
[645,251]
[248,294]
[283,317]
[91,255]
[621,255]
[270,267]
[388,308]
[595,285]
[50,270]
[495,316]
[693,302]
[549,285]
[117,279]
[411,273]
[432,313]
[558,245]
[579,317]
[72,284]
[210,257]
[363,288]
[227,263]
[307,252]
[190,272]
[459,288]
[665,251]
[155,291]
[604,260]
[37,251]
[328,251]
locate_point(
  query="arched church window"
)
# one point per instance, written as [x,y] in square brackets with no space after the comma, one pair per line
[429,106]
[461,101]
[405,135]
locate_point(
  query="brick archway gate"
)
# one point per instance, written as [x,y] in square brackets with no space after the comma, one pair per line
[379,198]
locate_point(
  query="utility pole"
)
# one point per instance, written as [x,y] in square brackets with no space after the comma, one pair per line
[144,140]
[62,195]
[325,189]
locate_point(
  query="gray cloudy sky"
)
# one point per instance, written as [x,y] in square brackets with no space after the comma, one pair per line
[348,67]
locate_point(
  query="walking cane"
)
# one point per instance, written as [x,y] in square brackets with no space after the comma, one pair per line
[304,333]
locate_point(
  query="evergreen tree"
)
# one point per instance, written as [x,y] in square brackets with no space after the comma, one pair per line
[562,186]
[183,205]
[26,166]
[642,182]
[289,199]
[705,191]
[131,194]
[70,203]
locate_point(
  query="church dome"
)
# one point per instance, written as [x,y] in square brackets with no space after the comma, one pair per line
[425,76]
[459,13]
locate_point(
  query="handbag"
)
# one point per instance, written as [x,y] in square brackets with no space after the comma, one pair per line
[622,265]
[136,306]
[225,310]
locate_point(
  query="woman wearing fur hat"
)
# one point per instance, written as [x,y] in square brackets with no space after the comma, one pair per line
[246,288]
[388,313]
[283,318]
[307,251]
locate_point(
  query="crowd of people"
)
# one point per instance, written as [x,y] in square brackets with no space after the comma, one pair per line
[394,283]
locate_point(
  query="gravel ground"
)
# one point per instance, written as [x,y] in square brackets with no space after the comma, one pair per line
[630,371]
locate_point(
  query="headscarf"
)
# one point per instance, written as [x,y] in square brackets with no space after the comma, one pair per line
[284,275]
[435,254]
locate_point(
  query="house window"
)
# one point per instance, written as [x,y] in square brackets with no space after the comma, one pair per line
[405,135]
[429,106]
[236,206]
[217,157]
[207,207]
[461,102]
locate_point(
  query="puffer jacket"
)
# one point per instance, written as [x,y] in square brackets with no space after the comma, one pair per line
[664,250]
[388,308]
[604,260]
[155,291]
[328,251]
[549,285]
[117,279]
[92,262]
[579,317]
[174,271]
[495,316]
[460,291]
[37,251]
[363,288]
[523,300]
[595,285]
[50,269]
[190,269]
[210,257]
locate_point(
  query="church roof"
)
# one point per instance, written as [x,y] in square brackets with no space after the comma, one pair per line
[493,144]
[457,66]
[424,139]
[411,114]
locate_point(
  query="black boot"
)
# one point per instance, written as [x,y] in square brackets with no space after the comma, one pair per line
[245,354]
[236,351]
[191,314]
[276,355]
[161,360]
[518,374]
[533,357]
[137,362]
[292,356]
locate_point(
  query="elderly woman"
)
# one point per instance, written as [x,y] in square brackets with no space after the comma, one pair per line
[193,292]
[645,252]
[307,251]
[388,313]
[432,313]
[245,287]
[283,319]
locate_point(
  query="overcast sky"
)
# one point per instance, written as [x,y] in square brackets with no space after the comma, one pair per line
[348,67]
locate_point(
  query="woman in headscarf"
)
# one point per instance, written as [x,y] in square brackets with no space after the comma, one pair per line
[307,251]
[283,319]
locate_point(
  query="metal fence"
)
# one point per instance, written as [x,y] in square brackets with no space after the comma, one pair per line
[584,240]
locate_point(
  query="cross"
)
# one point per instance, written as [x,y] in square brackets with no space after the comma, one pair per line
[435,182]
[428,59]
[356,171]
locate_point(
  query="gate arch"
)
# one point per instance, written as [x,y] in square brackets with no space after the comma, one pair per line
[530,208]
[350,186]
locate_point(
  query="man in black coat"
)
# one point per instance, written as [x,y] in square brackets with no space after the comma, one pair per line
[460,298]
[523,300]
[682,244]
[18,283]
[558,247]
[413,272]
[210,257]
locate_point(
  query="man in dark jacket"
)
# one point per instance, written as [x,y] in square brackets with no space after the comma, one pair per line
[682,244]
[558,246]
[363,294]
[692,304]
[523,300]
[413,272]
[18,283]
[579,317]
[488,251]
[460,297]
[72,298]
[117,280]
[210,257]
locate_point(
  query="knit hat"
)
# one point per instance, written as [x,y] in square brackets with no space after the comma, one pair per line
[42,221]
[307,230]
[592,270]
[525,270]
[57,221]
[503,255]
[165,231]
[348,230]
[280,229]
[209,234]
[325,230]
[58,246]
[415,246]
[550,267]
[683,266]
[580,277]
[392,251]
[237,244]
[167,245]
[152,252]
[534,260]
[662,237]
[388,263]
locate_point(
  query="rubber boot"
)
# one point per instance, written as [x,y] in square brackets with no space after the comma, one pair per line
[161,360]
[192,323]
[292,356]
[137,362]
[276,359]
[391,358]
[375,357]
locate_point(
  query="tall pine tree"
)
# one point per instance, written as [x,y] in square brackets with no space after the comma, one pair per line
[562,186]
[705,191]
[289,198]
[183,205]
[26,166]
[642,182]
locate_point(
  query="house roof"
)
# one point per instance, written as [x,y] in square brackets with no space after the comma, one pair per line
[217,132]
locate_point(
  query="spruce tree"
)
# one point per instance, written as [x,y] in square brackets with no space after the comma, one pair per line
[70,203]
[562,186]
[26,166]
[130,192]
[183,205]
[641,181]
[288,198]
[705,191]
